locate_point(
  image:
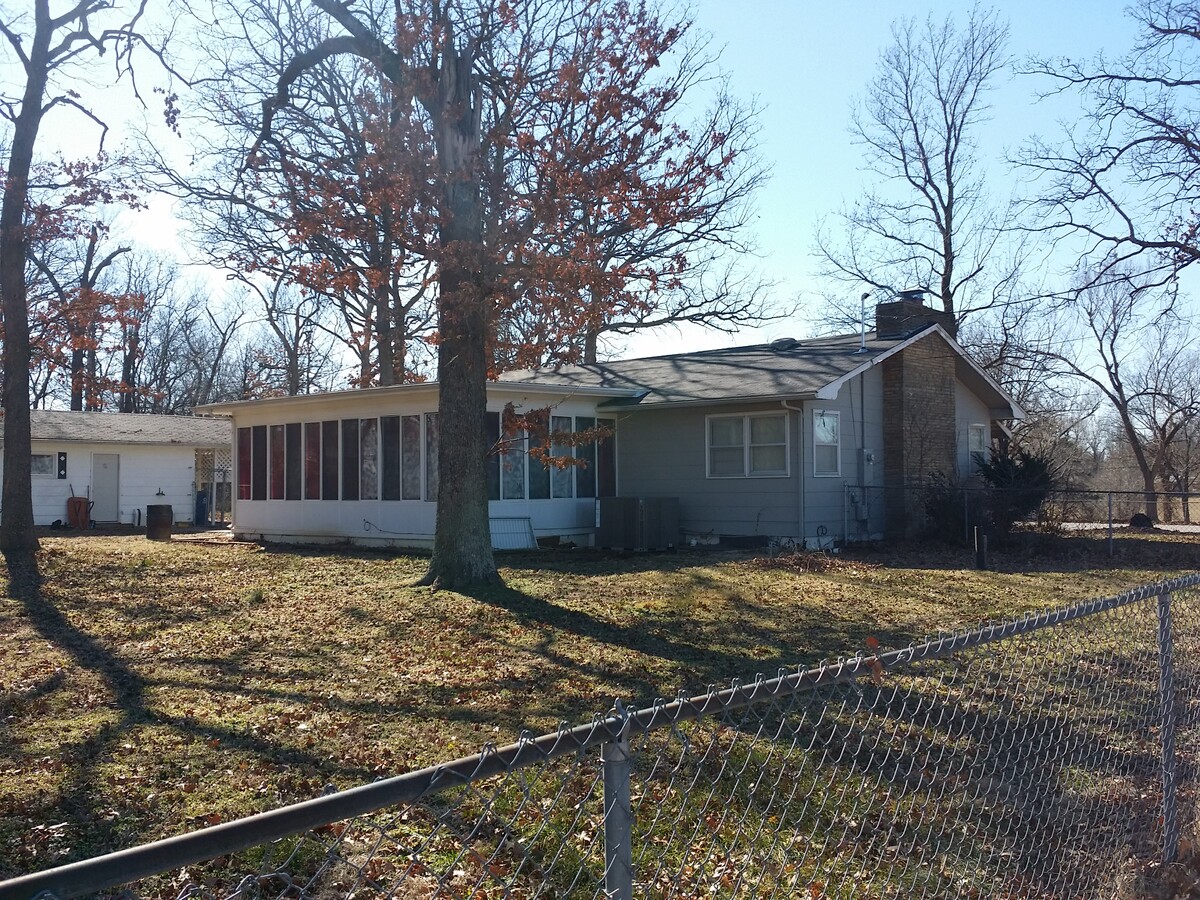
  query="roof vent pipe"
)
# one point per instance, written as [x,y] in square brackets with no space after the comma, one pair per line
[862,321]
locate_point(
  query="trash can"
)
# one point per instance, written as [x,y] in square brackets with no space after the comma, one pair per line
[159,519]
[201,508]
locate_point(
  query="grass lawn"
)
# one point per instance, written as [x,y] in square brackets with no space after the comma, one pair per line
[155,688]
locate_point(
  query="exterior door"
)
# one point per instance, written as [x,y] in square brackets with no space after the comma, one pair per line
[106,487]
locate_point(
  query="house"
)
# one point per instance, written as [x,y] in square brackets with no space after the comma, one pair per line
[808,441]
[124,462]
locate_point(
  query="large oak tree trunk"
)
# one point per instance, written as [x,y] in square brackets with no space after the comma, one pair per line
[17,539]
[462,547]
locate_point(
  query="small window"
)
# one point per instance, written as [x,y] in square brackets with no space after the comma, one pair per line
[512,465]
[243,463]
[768,445]
[726,449]
[389,432]
[368,455]
[606,462]
[350,459]
[745,446]
[312,460]
[278,456]
[585,473]
[410,457]
[539,472]
[977,445]
[42,464]
[258,485]
[494,452]
[329,460]
[562,478]
[294,467]
[827,443]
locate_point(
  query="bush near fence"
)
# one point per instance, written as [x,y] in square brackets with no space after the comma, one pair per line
[1051,756]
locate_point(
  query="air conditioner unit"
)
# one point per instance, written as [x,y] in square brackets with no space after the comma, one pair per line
[638,523]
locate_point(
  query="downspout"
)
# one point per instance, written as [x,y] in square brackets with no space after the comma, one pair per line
[799,467]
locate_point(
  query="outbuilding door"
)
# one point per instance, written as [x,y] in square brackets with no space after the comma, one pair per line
[106,487]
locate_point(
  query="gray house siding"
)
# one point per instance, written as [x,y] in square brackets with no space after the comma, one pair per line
[663,453]
[850,504]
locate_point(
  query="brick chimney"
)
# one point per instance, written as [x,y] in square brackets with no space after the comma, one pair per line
[908,313]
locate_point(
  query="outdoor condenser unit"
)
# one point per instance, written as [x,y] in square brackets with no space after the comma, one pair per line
[638,523]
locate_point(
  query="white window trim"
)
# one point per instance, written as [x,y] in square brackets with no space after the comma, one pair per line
[837,415]
[745,418]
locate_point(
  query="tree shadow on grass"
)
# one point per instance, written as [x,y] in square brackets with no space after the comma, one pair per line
[709,664]
[127,688]
[79,797]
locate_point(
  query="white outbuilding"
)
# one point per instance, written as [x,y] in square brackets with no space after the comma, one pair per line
[121,463]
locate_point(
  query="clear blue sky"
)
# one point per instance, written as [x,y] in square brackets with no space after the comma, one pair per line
[805,62]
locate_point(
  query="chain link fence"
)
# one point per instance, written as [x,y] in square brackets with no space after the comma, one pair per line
[1054,756]
[952,511]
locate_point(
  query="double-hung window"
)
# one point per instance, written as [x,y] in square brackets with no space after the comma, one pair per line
[827,443]
[747,446]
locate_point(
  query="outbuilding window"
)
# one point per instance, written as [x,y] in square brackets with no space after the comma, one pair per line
[748,446]
[42,464]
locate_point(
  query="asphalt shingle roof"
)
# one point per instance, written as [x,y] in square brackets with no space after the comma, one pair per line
[786,368]
[127,428]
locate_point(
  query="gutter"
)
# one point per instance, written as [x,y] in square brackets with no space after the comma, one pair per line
[705,401]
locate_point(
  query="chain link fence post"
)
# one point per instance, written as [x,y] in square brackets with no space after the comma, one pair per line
[1166,697]
[618,814]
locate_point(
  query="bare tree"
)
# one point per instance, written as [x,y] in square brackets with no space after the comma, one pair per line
[191,354]
[1168,407]
[151,280]
[329,202]
[1122,338]
[931,224]
[295,355]
[1124,180]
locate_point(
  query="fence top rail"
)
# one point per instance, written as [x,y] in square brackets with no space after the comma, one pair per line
[126,866]
[1058,493]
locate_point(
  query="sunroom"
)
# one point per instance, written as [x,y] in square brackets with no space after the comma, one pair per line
[361,466]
